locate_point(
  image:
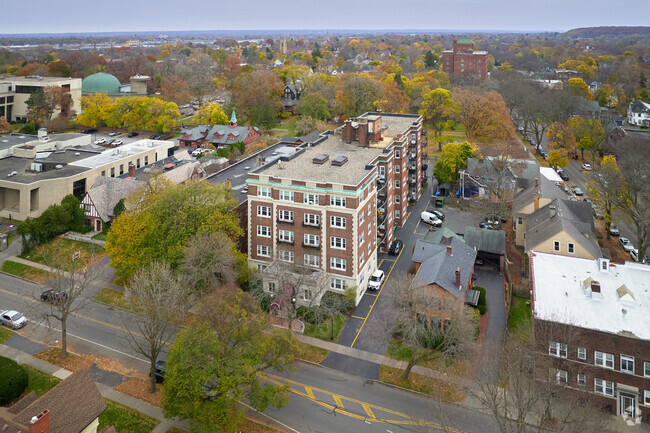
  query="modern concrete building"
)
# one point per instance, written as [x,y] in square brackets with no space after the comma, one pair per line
[33,178]
[14,92]
[332,204]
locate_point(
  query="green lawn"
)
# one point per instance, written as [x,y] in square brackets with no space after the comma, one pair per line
[39,382]
[112,297]
[66,248]
[519,321]
[324,331]
[398,350]
[401,352]
[5,335]
[26,271]
[100,236]
[125,420]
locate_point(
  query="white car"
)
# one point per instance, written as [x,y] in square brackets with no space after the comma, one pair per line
[586,167]
[13,319]
[376,279]
[626,244]
[634,255]
[117,142]
[430,218]
[100,141]
[114,133]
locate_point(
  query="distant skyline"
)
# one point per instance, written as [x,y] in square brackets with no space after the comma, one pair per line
[70,16]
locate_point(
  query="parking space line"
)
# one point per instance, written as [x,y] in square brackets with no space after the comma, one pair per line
[337,400]
[380,262]
[370,294]
[366,407]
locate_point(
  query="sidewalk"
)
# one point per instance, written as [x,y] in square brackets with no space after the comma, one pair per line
[107,392]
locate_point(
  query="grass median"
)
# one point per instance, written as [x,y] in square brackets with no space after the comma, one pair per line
[25,271]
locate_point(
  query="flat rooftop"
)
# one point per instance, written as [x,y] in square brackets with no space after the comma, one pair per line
[560,295]
[8,141]
[393,124]
[31,80]
[351,172]
[123,152]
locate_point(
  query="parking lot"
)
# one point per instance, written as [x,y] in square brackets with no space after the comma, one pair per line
[123,136]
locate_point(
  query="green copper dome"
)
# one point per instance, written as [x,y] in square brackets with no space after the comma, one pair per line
[101,82]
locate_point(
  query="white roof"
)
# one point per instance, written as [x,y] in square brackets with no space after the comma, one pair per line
[550,174]
[561,290]
[123,152]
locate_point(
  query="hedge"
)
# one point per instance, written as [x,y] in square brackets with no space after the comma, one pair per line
[13,380]
[482,308]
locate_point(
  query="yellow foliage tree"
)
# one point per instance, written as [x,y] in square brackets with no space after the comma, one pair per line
[211,114]
[95,109]
[578,87]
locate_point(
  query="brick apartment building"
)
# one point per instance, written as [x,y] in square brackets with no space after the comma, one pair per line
[332,205]
[463,62]
[599,315]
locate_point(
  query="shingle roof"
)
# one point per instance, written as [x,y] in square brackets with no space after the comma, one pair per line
[574,218]
[440,267]
[23,403]
[73,404]
[489,241]
[436,236]
[544,187]
[239,133]
[108,191]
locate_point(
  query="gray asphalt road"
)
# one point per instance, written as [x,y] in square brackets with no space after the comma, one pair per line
[325,400]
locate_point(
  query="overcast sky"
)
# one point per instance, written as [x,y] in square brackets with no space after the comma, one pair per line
[64,16]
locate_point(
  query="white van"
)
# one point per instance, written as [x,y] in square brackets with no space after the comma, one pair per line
[430,218]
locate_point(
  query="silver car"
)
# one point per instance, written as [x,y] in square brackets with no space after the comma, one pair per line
[13,319]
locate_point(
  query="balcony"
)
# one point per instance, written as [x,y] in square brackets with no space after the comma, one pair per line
[381,188]
[412,180]
[381,218]
[412,168]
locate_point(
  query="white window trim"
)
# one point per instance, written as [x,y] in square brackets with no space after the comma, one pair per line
[281,214]
[337,201]
[335,281]
[308,217]
[558,350]
[646,398]
[308,237]
[308,262]
[584,379]
[260,212]
[282,236]
[307,198]
[338,221]
[582,353]
[627,359]
[338,264]
[338,243]
[262,229]
[646,369]
[262,247]
[602,389]
[604,357]
[569,246]
[290,255]
[286,195]
[263,191]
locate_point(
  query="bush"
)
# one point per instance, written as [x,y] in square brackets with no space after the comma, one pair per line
[482,308]
[13,380]
[81,228]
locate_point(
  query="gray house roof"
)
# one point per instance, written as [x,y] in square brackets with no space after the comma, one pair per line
[574,218]
[489,241]
[108,191]
[541,185]
[436,236]
[439,267]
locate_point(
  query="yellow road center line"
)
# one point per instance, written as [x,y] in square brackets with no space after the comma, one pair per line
[310,393]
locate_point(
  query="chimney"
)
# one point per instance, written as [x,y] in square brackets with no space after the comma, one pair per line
[347,131]
[458,278]
[131,170]
[449,250]
[363,134]
[552,209]
[536,200]
[40,423]
[595,290]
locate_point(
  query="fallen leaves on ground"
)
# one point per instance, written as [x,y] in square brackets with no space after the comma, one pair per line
[72,362]
[427,385]
[139,388]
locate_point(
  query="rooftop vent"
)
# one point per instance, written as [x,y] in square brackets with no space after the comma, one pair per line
[595,287]
[77,154]
[320,159]
[339,160]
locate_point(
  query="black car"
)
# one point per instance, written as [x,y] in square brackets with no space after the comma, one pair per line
[436,212]
[160,371]
[53,297]
[395,247]
[89,131]
[132,134]
[563,175]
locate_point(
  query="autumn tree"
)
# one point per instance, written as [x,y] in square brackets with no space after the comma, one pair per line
[42,105]
[209,262]
[437,107]
[578,87]
[211,114]
[4,125]
[257,96]
[484,114]
[94,109]
[558,158]
[589,133]
[219,360]
[198,75]
[160,301]
[306,125]
[452,159]
[431,60]
[561,137]
[175,89]
[357,95]
[161,219]
[313,105]
[607,189]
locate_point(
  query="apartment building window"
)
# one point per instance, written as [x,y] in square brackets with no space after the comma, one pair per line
[646,369]
[305,295]
[338,264]
[264,251]
[398,214]
[311,260]
[627,364]
[362,236]
[285,236]
[582,353]
[582,380]
[520,220]
[271,287]
[561,377]
[264,231]
[286,195]
[336,242]
[311,198]
[264,211]
[397,199]
[558,350]
[137,163]
[286,216]
[112,171]
[398,154]
[121,168]
[604,387]
[361,217]
[397,169]
[382,171]
[646,398]
[604,359]
[146,160]
[312,219]
[570,248]
[263,191]
[337,284]
[361,259]
[337,201]
[398,184]
[286,256]
[556,246]
[312,240]
[261,267]
[337,221]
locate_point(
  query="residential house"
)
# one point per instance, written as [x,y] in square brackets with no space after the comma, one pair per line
[444,275]
[219,135]
[290,97]
[638,113]
[490,245]
[592,318]
[562,227]
[72,406]
[484,176]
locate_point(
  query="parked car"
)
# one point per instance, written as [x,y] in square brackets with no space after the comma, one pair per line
[577,191]
[478,262]
[586,167]
[634,255]
[53,297]
[114,133]
[563,175]
[13,319]
[376,279]
[598,214]
[100,141]
[110,142]
[159,371]
[613,230]
[395,247]
[89,131]
[430,218]
[117,143]
[436,212]
[626,244]
[132,134]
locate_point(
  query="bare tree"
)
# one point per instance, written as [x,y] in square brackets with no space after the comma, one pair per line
[160,302]
[199,77]
[209,262]
[64,294]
